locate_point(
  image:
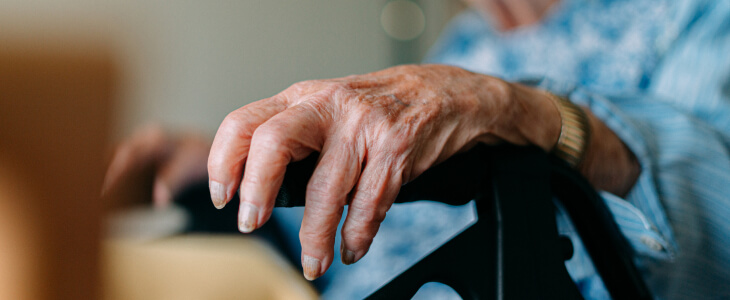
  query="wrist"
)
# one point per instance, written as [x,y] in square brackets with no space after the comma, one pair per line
[531,118]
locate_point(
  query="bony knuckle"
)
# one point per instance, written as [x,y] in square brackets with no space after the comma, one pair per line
[339,86]
[358,238]
[253,179]
[269,136]
[368,215]
[326,191]
[326,92]
[303,87]
[317,103]
[310,236]
[237,122]
[231,120]
[299,85]
[358,230]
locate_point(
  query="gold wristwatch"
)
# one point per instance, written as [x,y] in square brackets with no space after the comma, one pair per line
[574,131]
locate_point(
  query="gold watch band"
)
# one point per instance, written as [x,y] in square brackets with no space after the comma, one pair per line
[574,131]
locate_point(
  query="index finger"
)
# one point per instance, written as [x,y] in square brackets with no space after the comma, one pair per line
[231,145]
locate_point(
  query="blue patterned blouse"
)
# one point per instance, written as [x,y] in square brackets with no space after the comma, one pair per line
[657,72]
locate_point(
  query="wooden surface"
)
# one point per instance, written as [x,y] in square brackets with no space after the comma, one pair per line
[55,105]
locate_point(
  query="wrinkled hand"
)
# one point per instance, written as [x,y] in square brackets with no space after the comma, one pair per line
[174,161]
[375,132]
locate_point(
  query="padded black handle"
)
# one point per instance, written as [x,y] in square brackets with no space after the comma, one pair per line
[462,178]
[455,181]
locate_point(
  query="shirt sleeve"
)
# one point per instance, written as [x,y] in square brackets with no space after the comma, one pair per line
[683,161]
[677,123]
[679,129]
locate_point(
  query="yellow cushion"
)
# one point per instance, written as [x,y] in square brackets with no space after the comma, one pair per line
[199,267]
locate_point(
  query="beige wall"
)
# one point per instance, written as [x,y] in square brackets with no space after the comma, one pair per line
[188,63]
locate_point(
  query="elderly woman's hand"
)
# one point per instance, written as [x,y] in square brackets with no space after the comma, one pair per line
[375,132]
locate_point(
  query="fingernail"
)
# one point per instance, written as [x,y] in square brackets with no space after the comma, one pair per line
[348,257]
[248,217]
[311,267]
[217,194]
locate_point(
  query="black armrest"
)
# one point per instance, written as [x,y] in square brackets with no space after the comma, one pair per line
[610,252]
[513,251]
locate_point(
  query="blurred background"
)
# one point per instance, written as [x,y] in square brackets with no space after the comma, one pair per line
[188,63]
[76,76]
